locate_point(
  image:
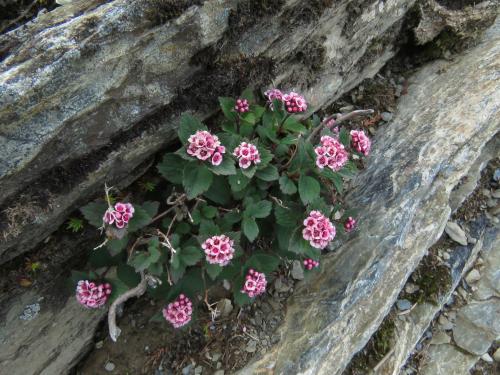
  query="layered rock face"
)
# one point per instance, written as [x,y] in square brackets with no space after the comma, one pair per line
[439,131]
[90,91]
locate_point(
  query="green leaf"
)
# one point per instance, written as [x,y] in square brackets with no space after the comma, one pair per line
[142,216]
[238,181]
[227,105]
[241,299]
[93,212]
[309,189]
[265,156]
[263,262]
[334,177]
[250,228]
[302,160]
[142,260]
[287,186]
[102,258]
[189,125]
[228,220]
[151,207]
[209,211]
[190,255]
[213,270]
[259,210]
[248,94]
[297,243]
[269,173]
[118,287]
[171,168]
[319,204]
[182,228]
[196,180]
[249,118]
[293,125]
[115,246]
[208,228]
[290,216]
[226,168]
[344,136]
[128,275]
[249,172]
[220,191]
[258,110]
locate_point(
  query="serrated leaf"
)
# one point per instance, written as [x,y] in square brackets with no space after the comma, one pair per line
[249,172]
[265,156]
[335,178]
[220,191]
[182,228]
[128,275]
[189,125]
[93,212]
[115,246]
[248,94]
[228,220]
[225,168]
[309,189]
[151,207]
[118,287]
[196,180]
[250,228]
[142,260]
[259,210]
[209,211]
[263,262]
[208,229]
[319,204]
[227,105]
[241,299]
[190,255]
[297,243]
[238,182]
[269,173]
[102,258]
[171,168]
[293,125]
[344,137]
[287,186]
[290,216]
[213,270]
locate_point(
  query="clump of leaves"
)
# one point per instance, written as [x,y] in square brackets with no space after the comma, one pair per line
[260,205]
[75,224]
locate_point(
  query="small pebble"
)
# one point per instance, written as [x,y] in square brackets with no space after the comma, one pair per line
[386,116]
[411,288]
[251,346]
[347,108]
[219,372]
[440,338]
[487,358]
[496,355]
[216,357]
[403,304]
[473,276]
[496,175]
[99,344]
[486,193]
[110,366]
[297,270]
[186,370]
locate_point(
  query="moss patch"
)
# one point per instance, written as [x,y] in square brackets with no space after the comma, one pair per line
[161,11]
[378,346]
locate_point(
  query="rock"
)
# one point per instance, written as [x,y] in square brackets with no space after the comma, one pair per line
[473,276]
[99,344]
[198,370]
[411,288]
[110,366]
[151,70]
[225,307]
[477,325]
[456,233]
[216,357]
[297,270]
[446,359]
[187,370]
[281,286]
[386,116]
[251,346]
[486,193]
[440,338]
[496,355]
[445,323]
[403,304]
[496,175]
[487,358]
[219,372]
[347,108]
[405,200]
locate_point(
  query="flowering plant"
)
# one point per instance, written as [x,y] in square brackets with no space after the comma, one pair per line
[261,190]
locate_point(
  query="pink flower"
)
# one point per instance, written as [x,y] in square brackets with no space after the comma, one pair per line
[309,264]
[92,295]
[360,142]
[246,153]
[319,230]
[120,215]
[350,224]
[331,153]
[218,250]
[204,146]
[294,102]
[179,311]
[242,106]
[274,94]
[255,283]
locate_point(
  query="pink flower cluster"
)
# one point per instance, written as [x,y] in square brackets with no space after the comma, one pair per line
[350,224]
[92,295]
[294,102]
[247,154]
[331,153]
[120,215]
[218,250]
[242,106]
[179,311]
[360,142]
[319,230]
[309,264]
[255,283]
[204,145]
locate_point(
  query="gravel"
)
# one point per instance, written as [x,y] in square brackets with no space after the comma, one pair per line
[403,304]
[110,366]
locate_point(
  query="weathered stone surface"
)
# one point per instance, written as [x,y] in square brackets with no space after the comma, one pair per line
[437,133]
[447,359]
[50,343]
[456,233]
[478,324]
[91,90]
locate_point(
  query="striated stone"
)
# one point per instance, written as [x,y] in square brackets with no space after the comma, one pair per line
[434,139]
[456,233]
[446,359]
[440,337]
